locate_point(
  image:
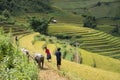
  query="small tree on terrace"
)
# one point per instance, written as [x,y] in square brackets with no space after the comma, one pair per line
[116,29]
[40,25]
[89,21]
[6,13]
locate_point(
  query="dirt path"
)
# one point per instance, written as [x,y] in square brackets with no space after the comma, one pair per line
[50,74]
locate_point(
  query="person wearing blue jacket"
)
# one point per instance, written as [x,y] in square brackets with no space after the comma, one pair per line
[58,58]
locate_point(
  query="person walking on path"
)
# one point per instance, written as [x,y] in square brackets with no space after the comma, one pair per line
[48,53]
[58,58]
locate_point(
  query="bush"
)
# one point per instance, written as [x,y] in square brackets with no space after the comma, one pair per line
[63,36]
[39,38]
[89,22]
[2,18]
[51,40]
[13,65]
[9,20]
[6,13]
[39,25]
[21,6]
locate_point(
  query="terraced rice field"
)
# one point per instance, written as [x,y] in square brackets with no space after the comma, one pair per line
[78,71]
[92,40]
[16,30]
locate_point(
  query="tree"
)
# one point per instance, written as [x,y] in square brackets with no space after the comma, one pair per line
[19,6]
[116,29]
[40,25]
[6,13]
[117,15]
[89,21]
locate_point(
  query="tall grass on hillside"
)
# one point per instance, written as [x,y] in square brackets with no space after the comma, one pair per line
[73,70]
[79,72]
[90,39]
[83,57]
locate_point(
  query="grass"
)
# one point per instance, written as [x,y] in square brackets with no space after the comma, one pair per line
[91,40]
[101,62]
[108,9]
[105,28]
[88,7]
[59,14]
[15,29]
[63,16]
[78,71]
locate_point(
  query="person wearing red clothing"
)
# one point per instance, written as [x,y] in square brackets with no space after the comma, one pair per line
[48,53]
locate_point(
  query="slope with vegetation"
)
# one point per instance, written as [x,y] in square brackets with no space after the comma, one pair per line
[89,39]
[15,29]
[106,12]
[89,63]
[13,64]
[73,70]
[91,7]
[21,6]
[69,52]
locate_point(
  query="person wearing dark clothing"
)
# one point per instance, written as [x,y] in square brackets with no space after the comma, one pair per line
[16,40]
[39,58]
[48,53]
[58,58]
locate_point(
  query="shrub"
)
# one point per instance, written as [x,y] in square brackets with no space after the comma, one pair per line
[51,40]
[13,65]
[39,25]
[6,13]
[63,36]
[89,22]
[2,18]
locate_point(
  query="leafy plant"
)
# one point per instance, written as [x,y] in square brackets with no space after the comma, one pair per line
[21,6]
[6,13]
[40,25]
[14,65]
[89,21]
[63,36]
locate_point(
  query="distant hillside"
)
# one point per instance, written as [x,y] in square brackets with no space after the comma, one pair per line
[97,8]
[18,6]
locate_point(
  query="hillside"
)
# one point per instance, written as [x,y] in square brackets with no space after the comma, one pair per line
[16,7]
[87,54]
[89,39]
[97,8]
[73,70]
[15,29]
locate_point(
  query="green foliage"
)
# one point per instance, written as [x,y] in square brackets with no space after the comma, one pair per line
[116,29]
[14,65]
[98,8]
[6,18]
[91,40]
[63,36]
[18,6]
[39,38]
[6,13]
[2,18]
[89,21]
[39,25]
[6,47]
